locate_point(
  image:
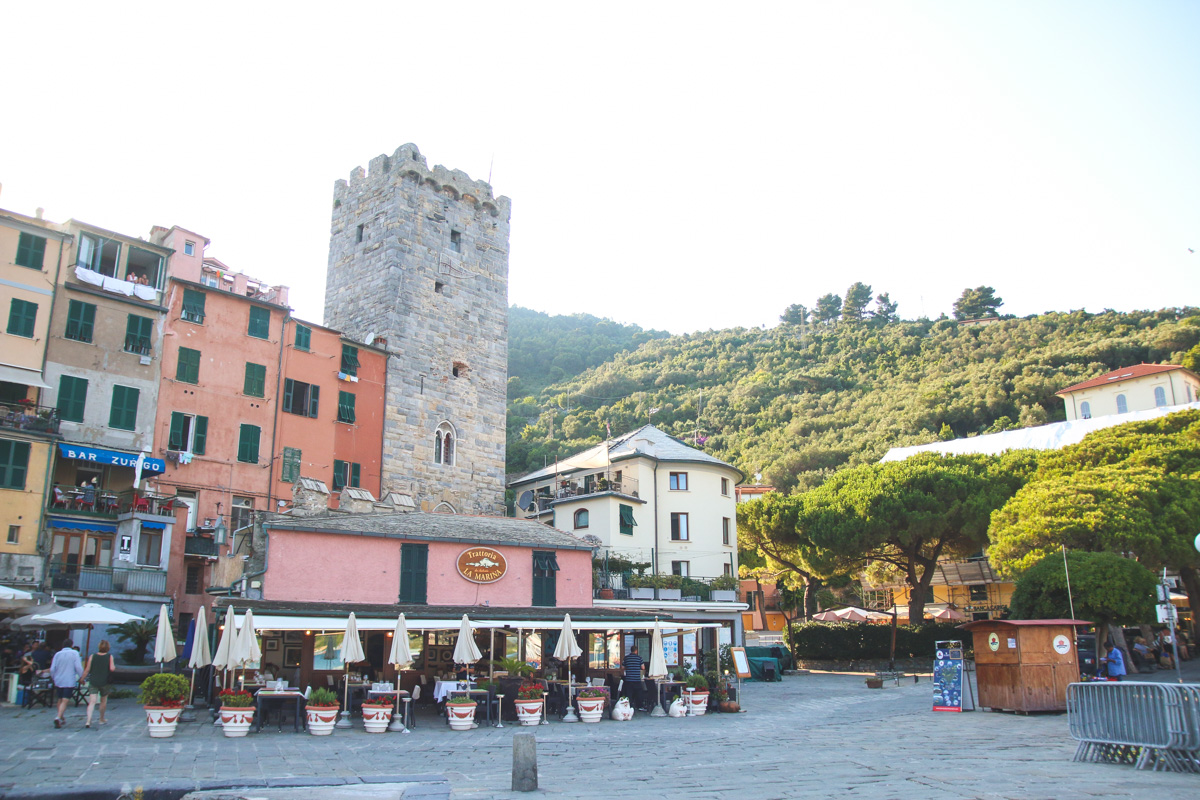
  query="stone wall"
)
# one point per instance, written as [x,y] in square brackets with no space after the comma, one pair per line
[418,257]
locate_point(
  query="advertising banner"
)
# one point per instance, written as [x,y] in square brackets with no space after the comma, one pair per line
[948,676]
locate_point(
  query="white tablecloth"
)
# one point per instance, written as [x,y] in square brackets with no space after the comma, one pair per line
[443,689]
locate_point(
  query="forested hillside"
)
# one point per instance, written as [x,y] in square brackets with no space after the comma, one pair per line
[799,401]
[543,349]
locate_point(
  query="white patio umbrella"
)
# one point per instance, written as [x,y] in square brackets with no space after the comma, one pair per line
[164,641]
[658,665]
[11,598]
[201,657]
[245,647]
[567,648]
[465,651]
[88,614]
[223,658]
[351,651]
[400,657]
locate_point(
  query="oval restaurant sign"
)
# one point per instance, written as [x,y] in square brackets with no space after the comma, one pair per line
[1062,645]
[481,565]
[993,642]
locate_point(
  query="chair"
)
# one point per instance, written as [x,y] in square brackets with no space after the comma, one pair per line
[60,500]
[141,504]
[40,692]
[416,695]
[88,498]
[167,508]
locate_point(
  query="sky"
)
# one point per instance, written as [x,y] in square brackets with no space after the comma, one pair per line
[681,166]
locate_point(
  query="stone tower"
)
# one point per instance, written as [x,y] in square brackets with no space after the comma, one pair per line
[418,264]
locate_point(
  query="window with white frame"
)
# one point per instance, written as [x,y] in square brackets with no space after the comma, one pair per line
[725,530]
[725,486]
[189,248]
[444,444]
[681,568]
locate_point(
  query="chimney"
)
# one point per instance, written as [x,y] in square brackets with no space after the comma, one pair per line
[356,501]
[309,497]
[39,213]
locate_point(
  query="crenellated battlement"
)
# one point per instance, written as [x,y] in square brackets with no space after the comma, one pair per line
[407,163]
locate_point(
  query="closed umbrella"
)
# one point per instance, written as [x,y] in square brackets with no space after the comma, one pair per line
[223,658]
[248,652]
[351,651]
[465,651]
[201,657]
[400,657]
[566,649]
[658,666]
[164,641]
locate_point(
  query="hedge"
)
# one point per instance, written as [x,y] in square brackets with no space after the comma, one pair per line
[840,641]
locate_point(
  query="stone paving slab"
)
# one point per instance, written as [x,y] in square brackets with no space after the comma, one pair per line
[815,735]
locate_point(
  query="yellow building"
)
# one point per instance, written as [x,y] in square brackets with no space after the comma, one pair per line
[968,587]
[31,253]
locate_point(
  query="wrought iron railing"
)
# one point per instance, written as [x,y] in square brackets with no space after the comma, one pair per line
[115,580]
[575,486]
[85,500]
[30,418]
[199,546]
[629,586]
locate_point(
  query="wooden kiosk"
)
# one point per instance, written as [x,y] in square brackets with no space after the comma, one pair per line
[1025,664]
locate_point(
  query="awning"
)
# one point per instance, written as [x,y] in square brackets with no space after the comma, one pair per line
[82,525]
[152,526]
[281,622]
[116,458]
[23,376]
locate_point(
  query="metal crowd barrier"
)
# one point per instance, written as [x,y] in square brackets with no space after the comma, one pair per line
[1149,725]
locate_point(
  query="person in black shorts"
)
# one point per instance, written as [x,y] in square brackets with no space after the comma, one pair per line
[633,678]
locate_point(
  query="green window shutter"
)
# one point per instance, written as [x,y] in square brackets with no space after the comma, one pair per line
[291,465]
[14,463]
[188,368]
[339,475]
[355,472]
[289,388]
[22,318]
[72,395]
[255,384]
[345,407]
[175,438]
[248,444]
[81,321]
[31,251]
[349,359]
[545,570]
[260,323]
[627,521]
[200,435]
[414,569]
[123,412]
[137,334]
[193,305]
[303,337]
[314,393]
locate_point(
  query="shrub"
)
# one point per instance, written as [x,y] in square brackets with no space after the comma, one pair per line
[591,692]
[697,681]
[235,698]
[530,691]
[164,689]
[849,640]
[322,698]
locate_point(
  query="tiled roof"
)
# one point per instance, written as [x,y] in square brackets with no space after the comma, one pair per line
[646,441]
[1123,374]
[434,527]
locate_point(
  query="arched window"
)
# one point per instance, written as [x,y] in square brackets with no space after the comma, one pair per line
[1122,405]
[1085,410]
[443,444]
[444,508]
[1160,396]
[581,518]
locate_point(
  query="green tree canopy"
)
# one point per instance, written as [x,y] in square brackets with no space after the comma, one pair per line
[854,307]
[885,310]
[829,307]
[977,303]
[794,314]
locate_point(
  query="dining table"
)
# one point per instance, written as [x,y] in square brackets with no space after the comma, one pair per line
[265,698]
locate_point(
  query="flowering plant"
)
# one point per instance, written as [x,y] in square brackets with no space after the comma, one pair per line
[592,691]
[323,698]
[381,700]
[460,700]
[25,401]
[235,698]
[530,691]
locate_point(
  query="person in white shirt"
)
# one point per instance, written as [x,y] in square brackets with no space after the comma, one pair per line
[65,670]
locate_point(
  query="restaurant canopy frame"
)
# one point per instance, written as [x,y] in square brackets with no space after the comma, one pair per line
[285,622]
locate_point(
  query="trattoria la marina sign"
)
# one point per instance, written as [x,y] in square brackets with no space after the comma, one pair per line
[482,565]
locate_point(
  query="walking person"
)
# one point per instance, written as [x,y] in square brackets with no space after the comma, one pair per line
[98,671]
[65,671]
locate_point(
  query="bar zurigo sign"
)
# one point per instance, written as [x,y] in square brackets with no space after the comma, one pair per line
[482,565]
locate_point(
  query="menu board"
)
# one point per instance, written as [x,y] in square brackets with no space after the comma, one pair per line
[948,676]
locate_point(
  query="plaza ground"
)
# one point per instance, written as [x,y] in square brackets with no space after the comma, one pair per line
[816,735]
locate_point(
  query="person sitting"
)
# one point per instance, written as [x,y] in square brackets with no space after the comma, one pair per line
[1143,658]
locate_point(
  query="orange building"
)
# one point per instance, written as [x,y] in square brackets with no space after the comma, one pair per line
[765,614]
[250,399]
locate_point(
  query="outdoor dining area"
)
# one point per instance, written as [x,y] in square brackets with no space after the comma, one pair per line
[460,673]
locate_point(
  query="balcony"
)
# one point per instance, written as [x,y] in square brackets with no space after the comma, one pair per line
[593,483]
[87,501]
[73,578]
[628,586]
[195,545]
[30,418]
[135,502]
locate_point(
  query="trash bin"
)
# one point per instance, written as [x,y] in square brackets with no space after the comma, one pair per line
[769,671]
[1025,664]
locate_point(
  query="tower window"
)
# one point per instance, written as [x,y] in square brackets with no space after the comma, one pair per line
[459,369]
[456,241]
[358,237]
[443,445]
[189,248]
[438,286]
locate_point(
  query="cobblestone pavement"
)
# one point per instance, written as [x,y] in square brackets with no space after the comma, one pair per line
[815,735]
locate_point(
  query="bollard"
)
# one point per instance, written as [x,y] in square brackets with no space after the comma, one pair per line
[524,768]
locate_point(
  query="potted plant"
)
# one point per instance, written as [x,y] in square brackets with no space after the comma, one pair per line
[513,666]
[236,712]
[697,699]
[641,587]
[590,703]
[322,711]
[530,698]
[874,683]
[460,711]
[377,712]
[163,695]
[724,589]
[670,587]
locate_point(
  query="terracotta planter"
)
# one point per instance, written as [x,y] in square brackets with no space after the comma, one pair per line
[376,717]
[874,683]
[236,720]
[162,720]
[591,709]
[462,717]
[529,712]
[697,703]
[321,719]
[606,594]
